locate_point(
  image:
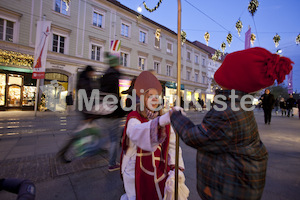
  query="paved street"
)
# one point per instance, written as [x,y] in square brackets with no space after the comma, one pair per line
[28,145]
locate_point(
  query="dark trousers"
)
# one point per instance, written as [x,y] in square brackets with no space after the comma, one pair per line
[268,115]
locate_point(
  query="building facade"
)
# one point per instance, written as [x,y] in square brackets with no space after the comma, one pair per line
[80,34]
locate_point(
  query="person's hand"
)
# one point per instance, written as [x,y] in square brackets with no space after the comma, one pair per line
[177,108]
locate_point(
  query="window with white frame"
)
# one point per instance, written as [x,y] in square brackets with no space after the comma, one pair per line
[124,59]
[188,55]
[98,19]
[61,7]
[6,30]
[143,37]
[157,43]
[196,59]
[203,62]
[169,70]
[125,28]
[169,47]
[58,43]
[188,75]
[156,66]
[96,52]
[196,77]
[142,63]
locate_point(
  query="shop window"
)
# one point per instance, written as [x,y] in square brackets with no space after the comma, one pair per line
[2,89]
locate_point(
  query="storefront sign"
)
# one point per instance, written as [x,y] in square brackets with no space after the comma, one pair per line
[173,85]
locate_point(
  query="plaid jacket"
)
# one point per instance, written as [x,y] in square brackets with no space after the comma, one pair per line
[231,159]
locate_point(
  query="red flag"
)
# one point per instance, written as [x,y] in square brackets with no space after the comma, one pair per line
[40,53]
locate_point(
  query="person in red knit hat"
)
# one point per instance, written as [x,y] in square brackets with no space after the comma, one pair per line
[231,158]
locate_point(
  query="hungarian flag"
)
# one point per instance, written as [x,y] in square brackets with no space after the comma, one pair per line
[41,48]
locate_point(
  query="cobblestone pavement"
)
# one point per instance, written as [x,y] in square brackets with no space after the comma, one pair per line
[28,146]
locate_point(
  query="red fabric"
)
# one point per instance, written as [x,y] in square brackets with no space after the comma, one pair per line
[145,81]
[144,183]
[252,69]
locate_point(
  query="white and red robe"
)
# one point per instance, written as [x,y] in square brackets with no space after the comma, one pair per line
[144,163]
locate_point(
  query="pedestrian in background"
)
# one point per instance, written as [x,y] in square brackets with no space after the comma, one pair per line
[268,102]
[276,105]
[282,105]
[298,103]
[231,158]
[290,103]
[110,124]
[69,102]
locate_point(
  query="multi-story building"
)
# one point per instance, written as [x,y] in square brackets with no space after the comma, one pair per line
[80,34]
[212,66]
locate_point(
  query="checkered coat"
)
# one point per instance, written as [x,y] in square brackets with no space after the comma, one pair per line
[231,159]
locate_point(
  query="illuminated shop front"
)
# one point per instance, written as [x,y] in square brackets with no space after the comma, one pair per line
[171,93]
[17,88]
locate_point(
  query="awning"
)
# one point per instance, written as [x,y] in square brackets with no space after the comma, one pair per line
[16,69]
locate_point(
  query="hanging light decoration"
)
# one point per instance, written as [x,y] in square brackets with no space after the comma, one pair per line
[223,47]
[276,40]
[229,38]
[252,7]
[253,38]
[183,37]
[157,34]
[15,58]
[217,55]
[298,39]
[206,37]
[239,26]
[67,4]
[153,9]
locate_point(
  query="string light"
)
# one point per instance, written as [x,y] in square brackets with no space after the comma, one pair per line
[206,37]
[239,26]
[229,38]
[253,5]
[253,38]
[223,47]
[276,40]
[15,58]
[67,4]
[298,39]
[183,37]
[153,9]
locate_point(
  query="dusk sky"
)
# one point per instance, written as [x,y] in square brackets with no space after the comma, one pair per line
[219,17]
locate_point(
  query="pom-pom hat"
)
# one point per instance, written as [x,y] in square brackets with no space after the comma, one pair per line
[252,69]
[145,81]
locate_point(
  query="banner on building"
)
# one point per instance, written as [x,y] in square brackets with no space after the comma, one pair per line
[115,47]
[41,47]
[290,82]
[247,38]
